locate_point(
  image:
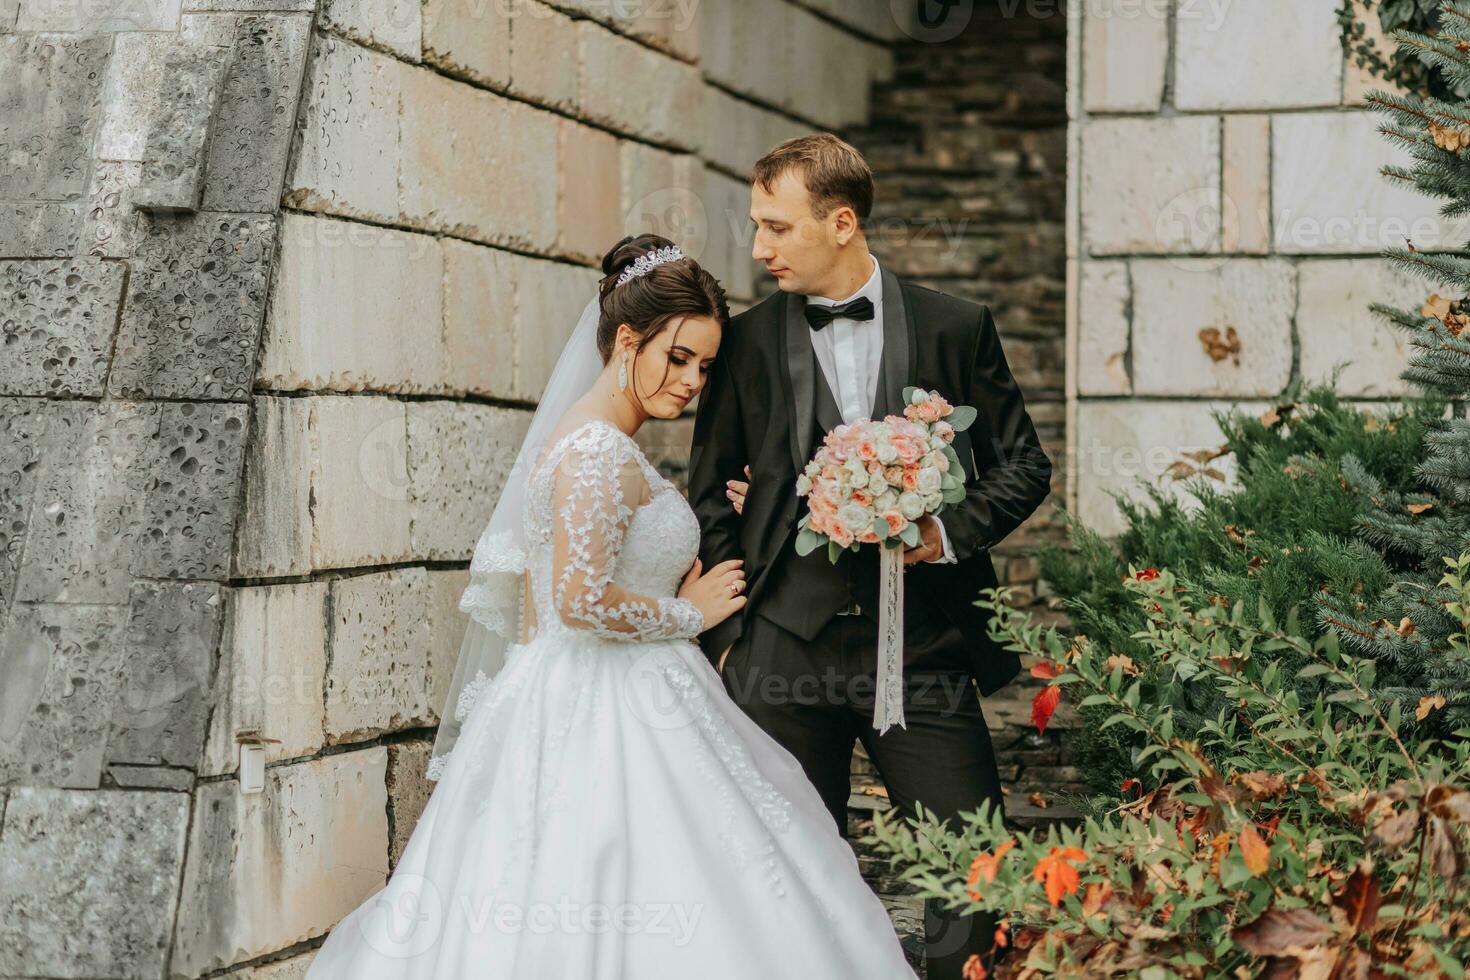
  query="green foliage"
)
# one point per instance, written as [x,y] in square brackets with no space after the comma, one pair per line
[1392,64]
[1299,833]
[1286,533]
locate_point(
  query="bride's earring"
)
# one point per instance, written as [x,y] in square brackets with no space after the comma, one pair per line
[623,373]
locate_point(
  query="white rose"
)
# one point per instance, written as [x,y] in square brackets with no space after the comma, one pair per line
[886,501]
[886,453]
[876,483]
[803,485]
[932,501]
[911,505]
[919,397]
[928,480]
[859,472]
[855,516]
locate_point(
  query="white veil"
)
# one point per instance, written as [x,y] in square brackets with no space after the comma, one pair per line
[495,596]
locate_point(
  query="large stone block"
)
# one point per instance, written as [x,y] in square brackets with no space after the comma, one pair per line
[877,20]
[662,194]
[661,100]
[272,869]
[1164,200]
[408,791]
[359,487]
[50,111]
[831,71]
[1246,193]
[394,25]
[550,297]
[543,56]
[190,472]
[41,228]
[133,81]
[736,42]
[57,330]
[589,181]
[475,164]
[275,516]
[1105,302]
[127,489]
[348,159]
[100,17]
[459,455]
[1125,56]
[256,116]
[1336,327]
[1246,305]
[447,626]
[62,666]
[727,252]
[89,882]
[180,122]
[273,663]
[378,677]
[355,307]
[82,536]
[471,38]
[1358,210]
[24,448]
[163,700]
[111,226]
[1122,446]
[1257,54]
[737,133]
[479,319]
[196,298]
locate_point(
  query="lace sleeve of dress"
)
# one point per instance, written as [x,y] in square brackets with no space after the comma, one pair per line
[597,486]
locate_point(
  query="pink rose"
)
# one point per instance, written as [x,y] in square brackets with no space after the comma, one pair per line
[896,521]
[910,480]
[839,533]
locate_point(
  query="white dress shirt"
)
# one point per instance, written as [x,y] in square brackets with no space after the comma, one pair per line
[849,352]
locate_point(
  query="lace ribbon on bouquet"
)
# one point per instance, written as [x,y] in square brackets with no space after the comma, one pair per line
[888,699]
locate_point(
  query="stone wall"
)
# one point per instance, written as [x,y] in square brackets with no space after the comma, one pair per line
[1225,215]
[281,284]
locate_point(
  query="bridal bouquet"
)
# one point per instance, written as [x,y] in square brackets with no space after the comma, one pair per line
[868,484]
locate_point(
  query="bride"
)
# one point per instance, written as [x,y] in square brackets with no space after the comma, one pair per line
[607,812]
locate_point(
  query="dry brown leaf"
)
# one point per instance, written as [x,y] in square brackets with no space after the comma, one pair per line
[1263,785]
[1450,138]
[1420,508]
[1406,627]
[1436,306]
[1220,346]
[1427,705]
[1397,830]
[1255,850]
[1124,661]
[1037,800]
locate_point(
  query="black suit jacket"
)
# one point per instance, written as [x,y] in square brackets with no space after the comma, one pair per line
[759,408]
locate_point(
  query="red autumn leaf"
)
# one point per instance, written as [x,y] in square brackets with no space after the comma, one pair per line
[1058,873]
[984,867]
[1046,670]
[1133,783]
[1146,575]
[1044,705]
[973,970]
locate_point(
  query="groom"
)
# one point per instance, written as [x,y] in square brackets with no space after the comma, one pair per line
[839,342]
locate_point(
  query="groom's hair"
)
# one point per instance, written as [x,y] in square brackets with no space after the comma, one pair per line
[833,170]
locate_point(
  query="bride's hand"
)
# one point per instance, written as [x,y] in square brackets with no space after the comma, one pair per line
[719,594]
[736,491]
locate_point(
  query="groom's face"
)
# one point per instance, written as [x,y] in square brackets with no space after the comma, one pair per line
[799,249]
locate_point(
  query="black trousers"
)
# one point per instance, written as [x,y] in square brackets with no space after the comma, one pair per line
[815,697]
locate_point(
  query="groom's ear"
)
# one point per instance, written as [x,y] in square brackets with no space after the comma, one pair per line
[845,223]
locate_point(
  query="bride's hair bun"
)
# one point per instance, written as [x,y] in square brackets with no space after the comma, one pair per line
[671,290]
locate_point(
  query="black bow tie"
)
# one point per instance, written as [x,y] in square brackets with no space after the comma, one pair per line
[818,315]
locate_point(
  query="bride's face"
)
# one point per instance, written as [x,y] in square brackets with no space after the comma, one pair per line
[672,368]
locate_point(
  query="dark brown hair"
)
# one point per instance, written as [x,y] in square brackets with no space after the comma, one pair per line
[833,170]
[670,291]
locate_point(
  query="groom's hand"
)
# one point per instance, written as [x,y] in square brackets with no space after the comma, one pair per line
[930,547]
[736,491]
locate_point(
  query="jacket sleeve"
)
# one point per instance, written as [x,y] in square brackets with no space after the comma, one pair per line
[716,454]
[1013,474]
[597,486]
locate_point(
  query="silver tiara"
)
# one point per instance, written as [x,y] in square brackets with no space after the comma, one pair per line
[648,261]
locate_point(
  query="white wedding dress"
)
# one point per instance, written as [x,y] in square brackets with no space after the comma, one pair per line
[609,813]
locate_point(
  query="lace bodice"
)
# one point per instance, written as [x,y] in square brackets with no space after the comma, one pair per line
[598,561]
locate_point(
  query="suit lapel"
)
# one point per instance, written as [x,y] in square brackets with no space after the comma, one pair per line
[801,363]
[894,366]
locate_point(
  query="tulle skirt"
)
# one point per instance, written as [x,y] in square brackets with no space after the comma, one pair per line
[610,814]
